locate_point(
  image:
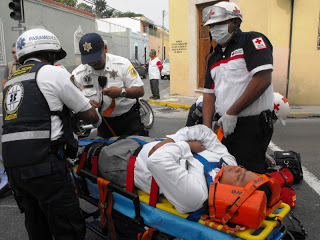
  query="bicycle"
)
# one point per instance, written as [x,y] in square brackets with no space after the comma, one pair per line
[4,184]
[146,113]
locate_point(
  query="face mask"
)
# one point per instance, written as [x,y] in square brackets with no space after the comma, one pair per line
[220,33]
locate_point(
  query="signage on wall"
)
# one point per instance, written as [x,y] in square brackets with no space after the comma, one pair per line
[179,46]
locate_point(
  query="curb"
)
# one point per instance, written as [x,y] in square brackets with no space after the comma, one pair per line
[187,107]
[170,104]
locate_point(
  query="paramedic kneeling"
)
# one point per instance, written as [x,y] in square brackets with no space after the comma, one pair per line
[183,178]
[34,138]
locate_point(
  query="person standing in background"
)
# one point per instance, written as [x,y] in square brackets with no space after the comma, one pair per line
[11,67]
[155,67]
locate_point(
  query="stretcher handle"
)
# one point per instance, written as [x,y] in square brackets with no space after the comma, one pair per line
[115,188]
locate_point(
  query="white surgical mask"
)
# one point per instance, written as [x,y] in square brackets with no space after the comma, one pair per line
[220,33]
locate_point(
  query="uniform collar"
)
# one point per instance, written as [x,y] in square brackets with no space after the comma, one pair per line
[108,64]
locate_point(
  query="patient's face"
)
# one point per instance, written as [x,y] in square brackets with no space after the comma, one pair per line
[237,176]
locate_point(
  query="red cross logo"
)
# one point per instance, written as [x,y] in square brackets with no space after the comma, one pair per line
[258,41]
[236,10]
[284,100]
[276,107]
[211,14]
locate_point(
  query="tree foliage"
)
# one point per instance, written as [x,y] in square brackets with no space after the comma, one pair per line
[128,14]
[71,3]
[100,8]
[85,7]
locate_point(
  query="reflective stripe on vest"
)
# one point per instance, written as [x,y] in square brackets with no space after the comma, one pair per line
[26,119]
[21,78]
[28,135]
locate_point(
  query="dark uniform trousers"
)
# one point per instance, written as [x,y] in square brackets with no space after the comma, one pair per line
[46,193]
[154,85]
[127,124]
[250,140]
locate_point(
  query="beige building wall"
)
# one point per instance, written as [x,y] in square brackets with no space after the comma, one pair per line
[304,82]
[272,18]
[274,22]
[155,43]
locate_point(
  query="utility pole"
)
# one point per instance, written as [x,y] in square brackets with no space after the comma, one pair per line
[163,13]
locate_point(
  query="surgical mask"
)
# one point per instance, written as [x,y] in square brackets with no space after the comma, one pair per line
[220,33]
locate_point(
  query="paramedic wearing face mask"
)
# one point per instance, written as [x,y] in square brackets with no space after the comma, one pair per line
[238,86]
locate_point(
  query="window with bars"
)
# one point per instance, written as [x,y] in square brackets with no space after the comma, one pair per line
[144,28]
[2,45]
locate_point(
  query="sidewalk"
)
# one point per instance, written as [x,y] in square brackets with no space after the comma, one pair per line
[176,101]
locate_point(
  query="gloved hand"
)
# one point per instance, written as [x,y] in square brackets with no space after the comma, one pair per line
[228,123]
[270,161]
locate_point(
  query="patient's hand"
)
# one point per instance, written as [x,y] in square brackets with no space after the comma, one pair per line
[158,145]
[196,146]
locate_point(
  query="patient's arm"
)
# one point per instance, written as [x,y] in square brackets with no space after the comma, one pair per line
[160,144]
[196,146]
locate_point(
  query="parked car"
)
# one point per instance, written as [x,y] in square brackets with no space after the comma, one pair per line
[139,67]
[165,73]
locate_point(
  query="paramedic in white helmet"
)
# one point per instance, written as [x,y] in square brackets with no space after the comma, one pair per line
[238,86]
[36,140]
[281,108]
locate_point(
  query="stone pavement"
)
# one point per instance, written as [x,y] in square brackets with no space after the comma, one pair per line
[176,101]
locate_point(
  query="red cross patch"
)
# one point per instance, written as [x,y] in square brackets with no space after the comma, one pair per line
[259,43]
[211,14]
[236,10]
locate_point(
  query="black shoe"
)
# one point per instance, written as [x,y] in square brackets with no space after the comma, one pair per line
[155,98]
[151,97]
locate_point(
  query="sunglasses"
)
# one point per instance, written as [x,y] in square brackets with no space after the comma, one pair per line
[13,52]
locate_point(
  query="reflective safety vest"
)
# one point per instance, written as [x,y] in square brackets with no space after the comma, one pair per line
[26,119]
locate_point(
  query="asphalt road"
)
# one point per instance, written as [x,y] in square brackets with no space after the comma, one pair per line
[300,135]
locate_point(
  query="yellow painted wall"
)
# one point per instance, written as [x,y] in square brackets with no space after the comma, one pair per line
[179,47]
[304,82]
[272,18]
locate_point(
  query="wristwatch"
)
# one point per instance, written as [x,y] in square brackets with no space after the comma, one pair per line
[123,93]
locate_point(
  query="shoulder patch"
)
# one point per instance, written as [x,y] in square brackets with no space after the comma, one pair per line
[133,72]
[259,43]
[73,80]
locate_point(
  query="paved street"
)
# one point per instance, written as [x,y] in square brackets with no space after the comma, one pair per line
[300,135]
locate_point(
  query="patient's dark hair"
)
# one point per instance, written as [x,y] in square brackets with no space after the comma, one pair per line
[267,190]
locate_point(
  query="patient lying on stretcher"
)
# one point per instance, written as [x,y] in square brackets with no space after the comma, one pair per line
[182,177]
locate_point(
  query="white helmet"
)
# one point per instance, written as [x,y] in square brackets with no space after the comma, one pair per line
[281,107]
[36,41]
[220,12]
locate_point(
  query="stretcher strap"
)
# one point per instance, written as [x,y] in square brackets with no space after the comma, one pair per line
[130,174]
[147,235]
[94,168]
[153,193]
[82,161]
[103,193]
[220,134]
[110,109]
[111,130]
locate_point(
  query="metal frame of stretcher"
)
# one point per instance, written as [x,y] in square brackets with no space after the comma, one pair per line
[127,207]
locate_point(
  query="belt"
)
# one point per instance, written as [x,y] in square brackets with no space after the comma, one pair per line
[264,115]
